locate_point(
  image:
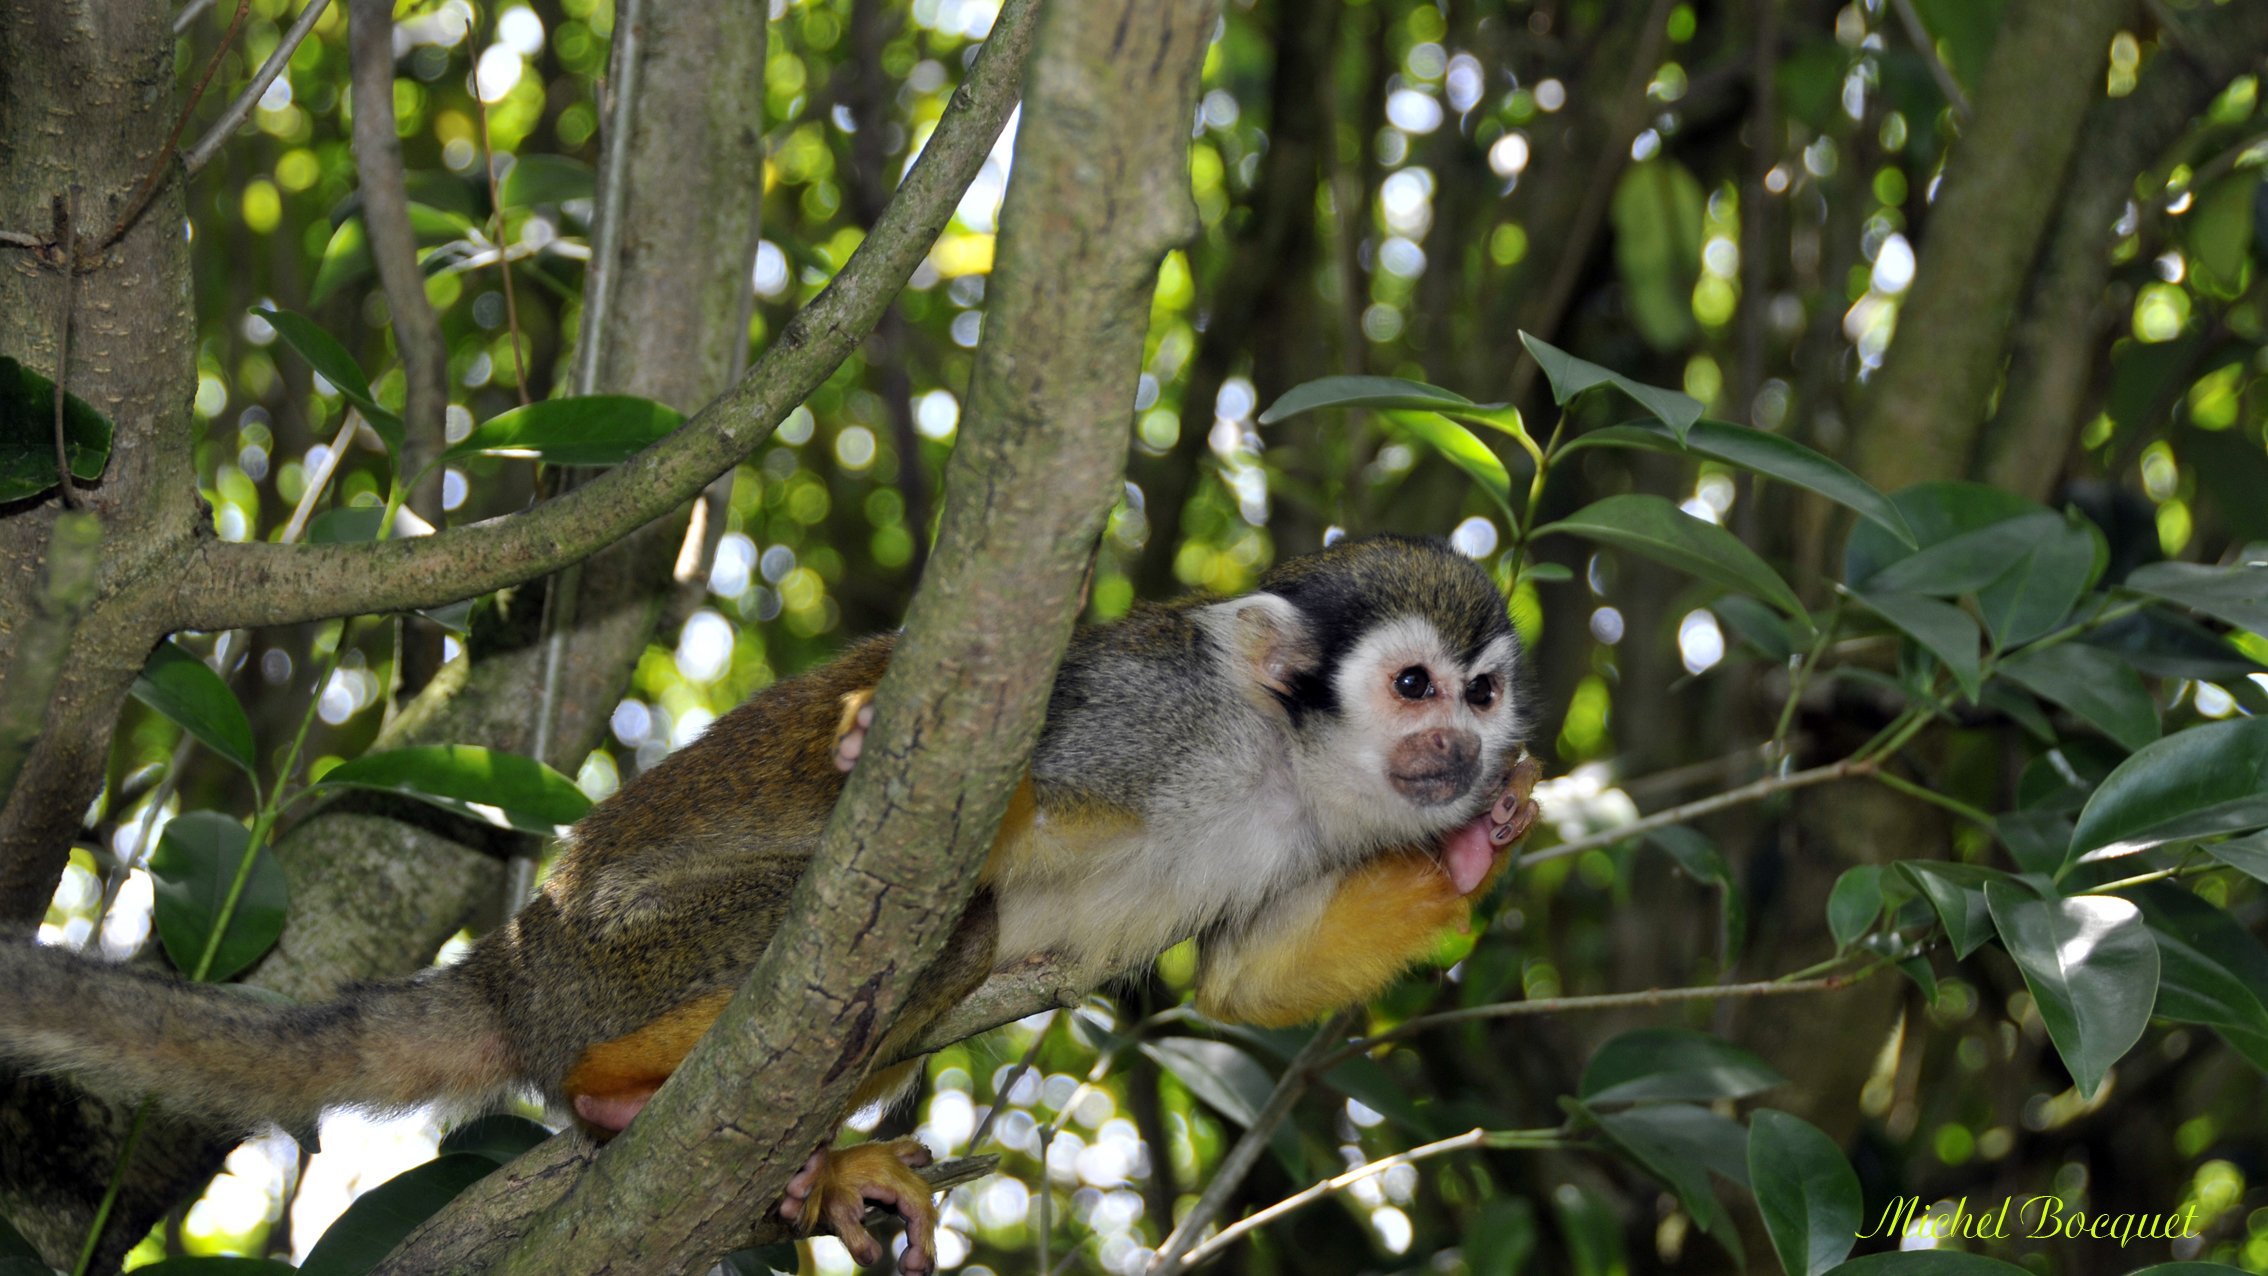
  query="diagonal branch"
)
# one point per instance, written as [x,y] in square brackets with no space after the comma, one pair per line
[234,585]
[233,118]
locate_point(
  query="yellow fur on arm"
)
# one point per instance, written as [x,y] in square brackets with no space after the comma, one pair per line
[1383,917]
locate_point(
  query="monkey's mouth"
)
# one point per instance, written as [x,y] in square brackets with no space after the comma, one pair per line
[1435,786]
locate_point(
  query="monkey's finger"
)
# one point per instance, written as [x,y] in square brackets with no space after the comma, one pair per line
[1525,773]
[1524,818]
[798,1189]
[913,1152]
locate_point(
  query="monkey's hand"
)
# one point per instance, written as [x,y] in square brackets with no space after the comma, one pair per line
[1473,855]
[850,732]
[834,1188]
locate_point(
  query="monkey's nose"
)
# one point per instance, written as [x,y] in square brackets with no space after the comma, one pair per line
[1434,766]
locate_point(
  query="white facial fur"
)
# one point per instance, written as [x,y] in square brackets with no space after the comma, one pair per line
[1345,765]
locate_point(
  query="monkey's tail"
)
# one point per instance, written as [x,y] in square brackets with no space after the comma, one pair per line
[221,1053]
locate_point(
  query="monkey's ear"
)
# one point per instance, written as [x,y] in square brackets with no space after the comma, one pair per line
[1271,639]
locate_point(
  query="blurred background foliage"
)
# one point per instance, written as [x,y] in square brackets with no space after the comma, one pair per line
[1730,197]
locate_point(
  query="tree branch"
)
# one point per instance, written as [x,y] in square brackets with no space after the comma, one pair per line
[233,118]
[1095,204]
[229,585]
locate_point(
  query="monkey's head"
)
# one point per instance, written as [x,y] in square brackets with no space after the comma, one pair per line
[1396,667]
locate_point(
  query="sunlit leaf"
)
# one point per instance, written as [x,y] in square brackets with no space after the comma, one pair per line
[2090,682]
[2199,782]
[1226,1078]
[1806,1191]
[382,1217]
[1365,392]
[346,258]
[1652,527]
[1760,452]
[323,352]
[192,870]
[545,179]
[27,434]
[1461,448]
[1570,376]
[187,692]
[502,788]
[1650,1065]
[2092,969]
[598,429]
[1657,209]
[2236,594]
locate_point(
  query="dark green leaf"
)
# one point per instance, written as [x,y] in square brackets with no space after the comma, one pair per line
[13,1244]
[1917,969]
[1657,209]
[1934,512]
[1461,448]
[502,788]
[1652,527]
[545,179]
[2036,839]
[2236,594]
[2169,646]
[499,1136]
[1761,452]
[1593,1228]
[1943,630]
[1968,562]
[2190,1269]
[346,259]
[188,693]
[1680,1144]
[212,1265]
[1651,1065]
[1806,1191]
[2090,682]
[382,1217]
[195,864]
[1226,1078]
[760,1261]
[1365,392]
[1570,376]
[1501,1237]
[2211,970]
[2219,228]
[27,434]
[1854,904]
[323,352]
[2247,855]
[1927,1262]
[2036,593]
[2199,782]
[1546,573]
[1956,891]
[2092,969]
[350,526]
[1759,626]
[16,1265]
[597,429]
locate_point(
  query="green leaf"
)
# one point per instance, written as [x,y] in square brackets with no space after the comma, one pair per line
[2198,782]
[545,179]
[384,1216]
[499,1136]
[597,429]
[346,258]
[2236,594]
[353,525]
[2190,1269]
[1501,1237]
[1956,891]
[1571,376]
[1760,452]
[2090,682]
[2039,590]
[2036,839]
[188,693]
[1680,1144]
[13,1244]
[323,352]
[2092,969]
[502,788]
[1854,904]
[2219,227]
[1461,448]
[1546,573]
[1806,1191]
[27,434]
[1657,210]
[1366,392]
[1934,512]
[195,863]
[1943,630]
[212,1265]
[1758,626]
[1226,1078]
[2211,970]
[1927,1262]
[1651,1065]
[1968,562]
[2247,855]
[1592,1226]
[2164,645]
[1653,528]
[1699,859]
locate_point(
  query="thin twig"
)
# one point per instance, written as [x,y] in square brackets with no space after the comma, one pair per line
[1910,18]
[18,239]
[503,262]
[154,180]
[1934,798]
[1753,792]
[231,119]
[190,12]
[1174,1255]
[70,276]
[1000,1095]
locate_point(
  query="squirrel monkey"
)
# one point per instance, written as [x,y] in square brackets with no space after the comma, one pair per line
[1312,780]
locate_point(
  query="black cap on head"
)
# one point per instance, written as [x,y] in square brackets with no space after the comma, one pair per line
[1350,588]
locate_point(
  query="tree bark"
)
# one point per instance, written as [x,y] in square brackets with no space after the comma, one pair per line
[1926,410]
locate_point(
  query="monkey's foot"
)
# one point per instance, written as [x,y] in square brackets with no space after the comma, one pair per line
[1471,854]
[850,733]
[834,1188]
[606,1115]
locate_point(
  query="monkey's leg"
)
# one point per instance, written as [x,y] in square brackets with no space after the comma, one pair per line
[1350,938]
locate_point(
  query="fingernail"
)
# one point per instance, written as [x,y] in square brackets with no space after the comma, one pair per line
[1501,834]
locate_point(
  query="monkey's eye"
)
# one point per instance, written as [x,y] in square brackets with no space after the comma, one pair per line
[1480,693]
[1413,683]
